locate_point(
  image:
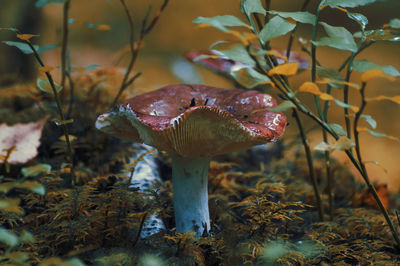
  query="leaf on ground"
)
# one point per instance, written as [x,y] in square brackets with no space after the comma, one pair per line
[8,237]
[288,69]
[36,170]
[394,23]
[25,137]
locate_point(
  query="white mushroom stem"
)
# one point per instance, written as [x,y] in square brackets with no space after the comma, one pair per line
[189,180]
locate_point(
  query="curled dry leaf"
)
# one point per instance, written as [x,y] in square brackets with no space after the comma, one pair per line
[25,137]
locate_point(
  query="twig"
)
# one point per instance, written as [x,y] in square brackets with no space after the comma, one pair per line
[64,42]
[310,164]
[135,49]
[140,229]
[291,37]
[60,111]
[364,171]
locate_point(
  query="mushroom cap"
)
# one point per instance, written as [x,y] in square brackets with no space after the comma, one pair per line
[196,120]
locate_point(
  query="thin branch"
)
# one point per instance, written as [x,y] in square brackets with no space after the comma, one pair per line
[310,164]
[64,42]
[135,50]
[365,173]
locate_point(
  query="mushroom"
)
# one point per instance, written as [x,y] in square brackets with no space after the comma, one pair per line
[192,123]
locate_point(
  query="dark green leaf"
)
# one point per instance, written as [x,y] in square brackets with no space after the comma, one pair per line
[252,6]
[339,38]
[369,120]
[221,22]
[359,18]
[276,27]
[91,67]
[35,170]
[338,129]
[283,106]
[395,23]
[238,53]
[365,65]
[22,46]
[302,17]
[42,3]
[377,134]
[332,74]
[44,85]
[249,78]
[46,47]
[347,3]
[8,237]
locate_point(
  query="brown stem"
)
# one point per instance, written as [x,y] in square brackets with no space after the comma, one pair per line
[310,164]
[364,170]
[135,50]
[64,43]
[328,176]
[60,111]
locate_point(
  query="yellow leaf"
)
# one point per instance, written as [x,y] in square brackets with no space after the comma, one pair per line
[375,73]
[103,27]
[277,55]
[309,87]
[362,129]
[355,109]
[46,68]
[288,69]
[291,20]
[25,37]
[328,80]
[326,97]
[395,99]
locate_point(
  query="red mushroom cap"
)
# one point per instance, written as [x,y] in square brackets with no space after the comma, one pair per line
[196,120]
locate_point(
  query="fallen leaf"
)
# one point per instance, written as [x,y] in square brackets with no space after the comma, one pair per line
[25,137]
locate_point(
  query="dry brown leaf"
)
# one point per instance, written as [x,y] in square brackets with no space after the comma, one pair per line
[25,137]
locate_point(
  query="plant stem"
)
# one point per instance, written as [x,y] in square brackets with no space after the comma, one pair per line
[310,164]
[64,42]
[135,50]
[291,37]
[364,170]
[60,112]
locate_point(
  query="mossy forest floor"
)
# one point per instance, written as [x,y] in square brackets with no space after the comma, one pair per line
[262,204]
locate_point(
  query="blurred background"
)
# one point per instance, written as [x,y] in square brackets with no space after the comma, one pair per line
[174,35]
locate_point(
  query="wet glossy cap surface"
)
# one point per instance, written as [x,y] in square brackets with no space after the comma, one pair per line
[196,120]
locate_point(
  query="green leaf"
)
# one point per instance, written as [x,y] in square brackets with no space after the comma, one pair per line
[44,85]
[221,22]
[36,170]
[22,46]
[47,47]
[8,237]
[369,120]
[33,186]
[252,6]
[343,105]
[238,53]
[347,3]
[332,74]
[26,237]
[276,27]
[186,72]
[75,262]
[359,18]
[339,38]
[42,3]
[365,65]
[283,106]
[388,34]
[338,129]
[91,67]
[394,23]
[377,134]
[302,17]
[249,78]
